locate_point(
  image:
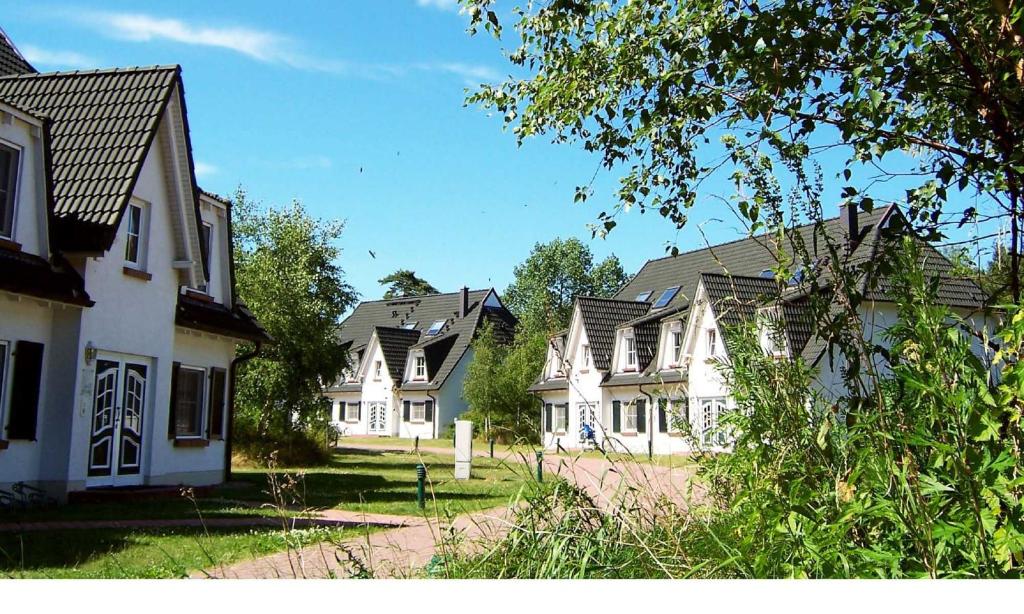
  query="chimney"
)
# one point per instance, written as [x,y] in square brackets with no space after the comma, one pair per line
[848,215]
[463,301]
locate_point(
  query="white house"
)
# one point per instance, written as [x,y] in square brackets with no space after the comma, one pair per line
[638,367]
[409,358]
[118,317]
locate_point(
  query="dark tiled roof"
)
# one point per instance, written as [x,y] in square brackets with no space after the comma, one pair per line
[28,274]
[209,316]
[601,316]
[395,343]
[103,122]
[551,384]
[637,379]
[444,350]
[11,61]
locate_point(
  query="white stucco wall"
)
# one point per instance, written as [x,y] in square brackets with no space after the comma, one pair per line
[378,390]
[30,223]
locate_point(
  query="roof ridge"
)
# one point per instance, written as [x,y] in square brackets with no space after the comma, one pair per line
[419,296]
[613,300]
[93,71]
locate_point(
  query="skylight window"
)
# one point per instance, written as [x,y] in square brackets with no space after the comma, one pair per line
[409,325]
[643,296]
[435,328]
[666,297]
[768,274]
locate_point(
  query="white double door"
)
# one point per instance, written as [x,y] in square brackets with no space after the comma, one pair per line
[587,415]
[120,412]
[377,418]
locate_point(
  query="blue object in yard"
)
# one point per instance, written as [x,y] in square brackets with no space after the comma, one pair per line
[588,433]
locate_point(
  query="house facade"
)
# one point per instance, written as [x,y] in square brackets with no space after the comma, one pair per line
[408,360]
[642,369]
[118,317]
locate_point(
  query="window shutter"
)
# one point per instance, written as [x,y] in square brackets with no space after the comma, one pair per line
[616,416]
[686,410]
[405,410]
[662,415]
[218,385]
[28,373]
[172,412]
[359,410]
[641,416]
[429,411]
[547,418]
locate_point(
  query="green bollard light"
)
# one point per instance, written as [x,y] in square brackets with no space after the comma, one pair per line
[421,478]
[492,447]
[540,465]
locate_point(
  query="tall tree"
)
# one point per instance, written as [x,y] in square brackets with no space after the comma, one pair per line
[648,84]
[287,273]
[404,282]
[545,285]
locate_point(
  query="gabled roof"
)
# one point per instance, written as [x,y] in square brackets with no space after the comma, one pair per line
[442,351]
[25,273]
[601,316]
[11,60]
[102,125]
[736,300]
[395,344]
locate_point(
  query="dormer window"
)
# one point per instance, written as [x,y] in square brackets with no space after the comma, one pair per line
[435,328]
[676,346]
[420,368]
[586,358]
[630,353]
[376,370]
[712,342]
[135,236]
[769,324]
[8,189]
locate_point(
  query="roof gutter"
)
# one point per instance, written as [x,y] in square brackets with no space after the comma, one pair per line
[437,414]
[229,435]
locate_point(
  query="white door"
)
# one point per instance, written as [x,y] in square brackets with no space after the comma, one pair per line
[587,416]
[118,415]
[378,418]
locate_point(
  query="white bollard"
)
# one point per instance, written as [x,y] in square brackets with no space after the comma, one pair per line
[463,449]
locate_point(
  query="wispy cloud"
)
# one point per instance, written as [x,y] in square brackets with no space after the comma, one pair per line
[204,169]
[308,163]
[57,59]
[444,5]
[265,46]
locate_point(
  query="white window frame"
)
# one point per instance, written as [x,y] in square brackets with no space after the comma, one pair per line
[377,367]
[418,411]
[209,243]
[141,238]
[586,358]
[561,418]
[674,405]
[410,325]
[5,367]
[419,371]
[675,346]
[711,338]
[351,412]
[204,403]
[770,332]
[711,410]
[15,188]
[629,414]
[630,352]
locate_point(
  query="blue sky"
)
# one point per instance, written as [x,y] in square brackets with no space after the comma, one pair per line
[356,109]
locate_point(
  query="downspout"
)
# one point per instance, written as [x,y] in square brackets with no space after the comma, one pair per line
[650,421]
[229,435]
[433,427]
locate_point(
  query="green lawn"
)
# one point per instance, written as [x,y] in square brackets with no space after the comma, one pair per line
[382,481]
[150,553]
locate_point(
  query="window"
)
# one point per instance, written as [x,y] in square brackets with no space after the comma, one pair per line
[773,340]
[666,297]
[676,338]
[562,418]
[410,325]
[8,189]
[376,370]
[133,247]
[421,368]
[419,412]
[352,412]
[190,402]
[643,296]
[586,357]
[206,234]
[4,352]
[712,342]
[631,420]
[435,328]
[630,354]
[710,410]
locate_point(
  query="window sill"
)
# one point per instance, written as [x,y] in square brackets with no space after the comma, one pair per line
[417,422]
[4,444]
[8,244]
[192,443]
[356,421]
[136,273]
[632,434]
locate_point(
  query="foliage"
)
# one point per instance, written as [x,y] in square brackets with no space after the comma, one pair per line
[646,83]
[404,282]
[547,283]
[496,385]
[287,274]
